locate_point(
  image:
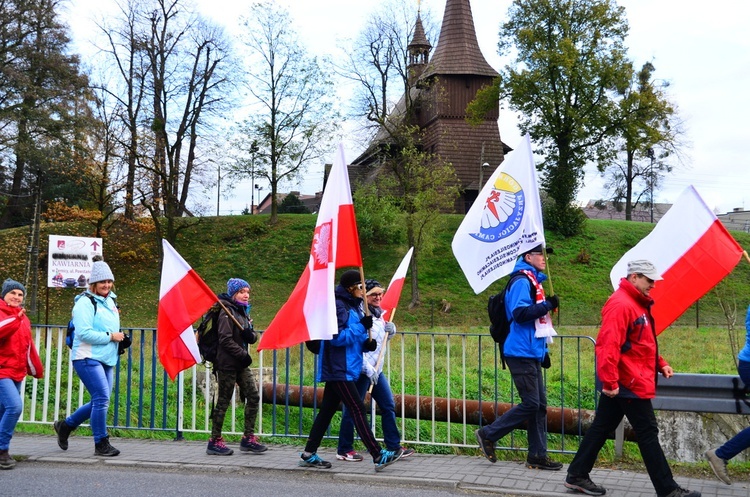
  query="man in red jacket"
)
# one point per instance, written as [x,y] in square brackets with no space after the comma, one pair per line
[627,365]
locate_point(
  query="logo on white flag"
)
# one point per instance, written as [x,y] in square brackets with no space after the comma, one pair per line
[322,244]
[503,210]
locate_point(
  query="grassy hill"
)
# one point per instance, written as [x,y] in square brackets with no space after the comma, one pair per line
[272,259]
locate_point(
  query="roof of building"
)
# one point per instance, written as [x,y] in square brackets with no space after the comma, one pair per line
[457,50]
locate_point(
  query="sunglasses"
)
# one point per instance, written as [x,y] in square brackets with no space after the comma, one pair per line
[358,286]
[376,294]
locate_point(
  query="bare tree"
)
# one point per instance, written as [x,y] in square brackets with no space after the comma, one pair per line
[293,115]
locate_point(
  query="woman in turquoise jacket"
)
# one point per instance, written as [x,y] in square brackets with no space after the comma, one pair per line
[94,353]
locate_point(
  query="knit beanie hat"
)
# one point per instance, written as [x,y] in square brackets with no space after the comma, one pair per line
[100,271]
[9,285]
[372,284]
[350,278]
[234,285]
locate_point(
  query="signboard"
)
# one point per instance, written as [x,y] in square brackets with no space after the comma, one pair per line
[70,259]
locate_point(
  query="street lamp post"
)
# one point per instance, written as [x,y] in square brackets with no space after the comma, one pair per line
[650,153]
[481,174]
[253,151]
[258,189]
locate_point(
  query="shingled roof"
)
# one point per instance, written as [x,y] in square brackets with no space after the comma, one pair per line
[457,50]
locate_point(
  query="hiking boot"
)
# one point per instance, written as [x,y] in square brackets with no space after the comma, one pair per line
[719,466]
[487,447]
[351,456]
[584,485]
[6,461]
[386,458]
[250,443]
[543,463]
[103,448]
[683,492]
[406,452]
[63,432]
[313,461]
[217,447]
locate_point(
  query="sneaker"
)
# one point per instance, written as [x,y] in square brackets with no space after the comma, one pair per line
[584,485]
[217,447]
[683,492]
[351,456]
[719,466]
[250,443]
[313,461]
[406,452]
[103,448]
[487,447]
[543,463]
[387,457]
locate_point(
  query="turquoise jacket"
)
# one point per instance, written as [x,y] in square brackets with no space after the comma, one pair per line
[744,354]
[92,329]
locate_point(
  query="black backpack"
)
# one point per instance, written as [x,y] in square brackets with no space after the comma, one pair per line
[71,331]
[499,324]
[208,334]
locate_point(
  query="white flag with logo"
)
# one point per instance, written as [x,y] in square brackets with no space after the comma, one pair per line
[505,221]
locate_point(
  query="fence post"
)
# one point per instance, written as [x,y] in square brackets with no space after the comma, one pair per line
[180,406]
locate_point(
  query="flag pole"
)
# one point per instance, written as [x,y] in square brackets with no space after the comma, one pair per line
[364,297]
[549,272]
[230,314]
[744,252]
[381,355]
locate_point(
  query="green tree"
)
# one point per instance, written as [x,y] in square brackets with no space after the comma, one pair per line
[292,205]
[648,137]
[294,117]
[570,66]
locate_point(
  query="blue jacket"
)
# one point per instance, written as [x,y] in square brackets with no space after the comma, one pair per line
[521,310]
[91,339]
[341,357]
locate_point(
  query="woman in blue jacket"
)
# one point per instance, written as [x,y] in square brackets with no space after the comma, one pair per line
[340,365]
[94,353]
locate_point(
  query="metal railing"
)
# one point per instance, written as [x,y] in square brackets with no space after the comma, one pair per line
[445,384]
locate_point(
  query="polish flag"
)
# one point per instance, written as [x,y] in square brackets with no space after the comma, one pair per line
[691,249]
[393,294]
[183,298]
[310,311]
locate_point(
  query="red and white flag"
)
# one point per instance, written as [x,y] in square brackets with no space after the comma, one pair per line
[504,221]
[183,298]
[393,293]
[691,249]
[310,311]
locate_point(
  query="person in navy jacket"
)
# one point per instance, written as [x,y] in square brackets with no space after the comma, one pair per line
[340,364]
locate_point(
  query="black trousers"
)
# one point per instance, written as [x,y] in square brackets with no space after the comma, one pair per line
[334,393]
[640,414]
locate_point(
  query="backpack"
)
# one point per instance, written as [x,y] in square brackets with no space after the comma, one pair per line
[70,332]
[499,323]
[207,334]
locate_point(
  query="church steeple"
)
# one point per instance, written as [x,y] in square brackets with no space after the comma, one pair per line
[457,50]
[419,51]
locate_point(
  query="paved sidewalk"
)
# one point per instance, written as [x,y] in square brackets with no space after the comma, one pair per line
[462,472]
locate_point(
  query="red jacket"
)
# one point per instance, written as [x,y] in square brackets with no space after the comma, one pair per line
[18,355]
[627,354]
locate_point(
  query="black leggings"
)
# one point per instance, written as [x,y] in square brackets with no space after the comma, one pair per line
[334,393]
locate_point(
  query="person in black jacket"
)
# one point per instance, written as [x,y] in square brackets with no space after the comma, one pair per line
[235,333]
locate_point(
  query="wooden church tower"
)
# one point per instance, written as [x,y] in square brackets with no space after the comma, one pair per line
[445,84]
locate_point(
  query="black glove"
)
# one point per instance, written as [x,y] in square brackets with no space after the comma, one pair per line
[246,361]
[124,344]
[370,345]
[546,362]
[553,302]
[249,336]
[366,322]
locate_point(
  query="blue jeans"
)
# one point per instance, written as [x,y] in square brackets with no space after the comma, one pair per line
[10,409]
[97,378]
[382,395]
[740,441]
[529,382]
[640,413]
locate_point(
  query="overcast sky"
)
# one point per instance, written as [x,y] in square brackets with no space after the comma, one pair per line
[703,52]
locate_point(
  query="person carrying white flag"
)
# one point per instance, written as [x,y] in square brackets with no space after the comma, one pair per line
[504,221]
